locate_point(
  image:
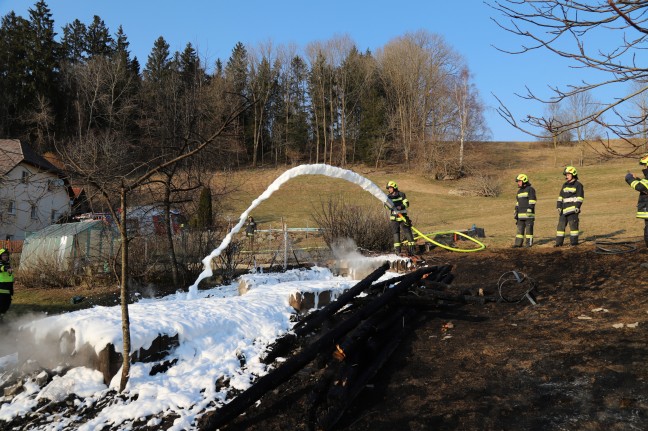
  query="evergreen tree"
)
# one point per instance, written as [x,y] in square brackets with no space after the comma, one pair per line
[236,77]
[98,39]
[157,64]
[73,43]
[14,68]
[204,217]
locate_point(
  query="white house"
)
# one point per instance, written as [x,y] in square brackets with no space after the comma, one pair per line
[33,193]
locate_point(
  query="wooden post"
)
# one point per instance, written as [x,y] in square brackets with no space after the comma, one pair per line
[285,239]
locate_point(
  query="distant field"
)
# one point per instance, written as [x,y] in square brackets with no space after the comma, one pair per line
[608,210]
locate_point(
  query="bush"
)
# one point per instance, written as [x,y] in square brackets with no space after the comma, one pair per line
[368,226]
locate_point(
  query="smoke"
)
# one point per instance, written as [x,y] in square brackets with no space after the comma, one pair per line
[17,346]
[352,261]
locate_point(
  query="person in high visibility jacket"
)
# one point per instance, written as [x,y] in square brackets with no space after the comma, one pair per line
[6,281]
[399,218]
[524,211]
[569,203]
[641,185]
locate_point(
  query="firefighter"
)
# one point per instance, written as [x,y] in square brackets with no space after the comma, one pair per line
[524,211]
[6,281]
[641,185]
[399,218]
[568,205]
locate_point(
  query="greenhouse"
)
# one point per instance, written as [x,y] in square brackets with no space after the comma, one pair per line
[87,246]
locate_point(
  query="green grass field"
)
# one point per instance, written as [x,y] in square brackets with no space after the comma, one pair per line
[608,210]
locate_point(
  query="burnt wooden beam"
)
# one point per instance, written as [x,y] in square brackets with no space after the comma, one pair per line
[274,378]
[355,376]
[284,344]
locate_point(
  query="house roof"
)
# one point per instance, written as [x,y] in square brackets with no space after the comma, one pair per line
[13,152]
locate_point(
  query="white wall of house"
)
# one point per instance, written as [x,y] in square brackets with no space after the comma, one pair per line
[30,199]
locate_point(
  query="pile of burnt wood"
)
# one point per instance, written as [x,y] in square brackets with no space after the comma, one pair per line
[345,344]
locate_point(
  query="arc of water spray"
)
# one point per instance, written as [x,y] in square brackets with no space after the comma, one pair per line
[315,169]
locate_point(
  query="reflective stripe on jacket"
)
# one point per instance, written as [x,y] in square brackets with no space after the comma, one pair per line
[399,199]
[640,185]
[525,203]
[571,197]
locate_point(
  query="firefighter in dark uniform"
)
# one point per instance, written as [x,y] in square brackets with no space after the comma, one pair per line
[524,211]
[641,185]
[569,207]
[6,281]
[399,218]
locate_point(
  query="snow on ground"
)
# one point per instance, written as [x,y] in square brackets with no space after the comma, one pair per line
[215,328]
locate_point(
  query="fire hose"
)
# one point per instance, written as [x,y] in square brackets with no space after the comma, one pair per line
[428,238]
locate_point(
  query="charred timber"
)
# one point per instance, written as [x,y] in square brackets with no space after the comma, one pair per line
[313,321]
[281,374]
[355,375]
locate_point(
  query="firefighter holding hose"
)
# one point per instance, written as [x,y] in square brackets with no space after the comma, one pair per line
[399,219]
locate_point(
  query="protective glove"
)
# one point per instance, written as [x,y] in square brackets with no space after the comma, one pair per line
[529,210]
[515,215]
[577,210]
[559,210]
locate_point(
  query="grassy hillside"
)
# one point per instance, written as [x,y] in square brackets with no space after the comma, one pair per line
[608,210]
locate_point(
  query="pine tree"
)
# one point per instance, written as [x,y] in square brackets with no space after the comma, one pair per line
[14,69]
[204,217]
[73,43]
[98,39]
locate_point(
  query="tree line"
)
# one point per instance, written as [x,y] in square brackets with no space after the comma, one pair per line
[329,103]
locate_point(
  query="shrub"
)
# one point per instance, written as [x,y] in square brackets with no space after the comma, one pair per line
[366,225]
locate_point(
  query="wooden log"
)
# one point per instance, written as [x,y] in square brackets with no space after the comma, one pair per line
[284,344]
[274,378]
[356,376]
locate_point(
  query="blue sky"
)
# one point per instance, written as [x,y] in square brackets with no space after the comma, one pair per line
[215,26]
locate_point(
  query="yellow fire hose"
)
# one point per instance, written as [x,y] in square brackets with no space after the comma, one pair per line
[426,237]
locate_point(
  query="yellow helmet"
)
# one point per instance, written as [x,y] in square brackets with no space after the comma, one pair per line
[523,178]
[644,160]
[570,170]
[392,184]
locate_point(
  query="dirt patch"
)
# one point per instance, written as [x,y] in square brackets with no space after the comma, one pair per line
[574,361]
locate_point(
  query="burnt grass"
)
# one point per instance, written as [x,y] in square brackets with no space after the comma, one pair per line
[557,365]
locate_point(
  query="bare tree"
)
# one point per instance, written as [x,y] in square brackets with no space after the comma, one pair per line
[103,156]
[581,105]
[415,71]
[563,27]
[639,116]
[469,117]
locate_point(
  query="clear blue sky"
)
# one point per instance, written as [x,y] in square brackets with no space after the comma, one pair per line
[215,26]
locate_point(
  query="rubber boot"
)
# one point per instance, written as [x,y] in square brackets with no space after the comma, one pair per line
[528,242]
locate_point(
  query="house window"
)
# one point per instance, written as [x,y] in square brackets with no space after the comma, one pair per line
[25,177]
[34,212]
[53,217]
[11,207]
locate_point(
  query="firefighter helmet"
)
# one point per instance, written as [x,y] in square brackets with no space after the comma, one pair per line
[644,160]
[570,170]
[392,184]
[523,178]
